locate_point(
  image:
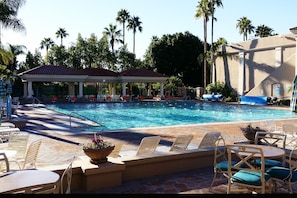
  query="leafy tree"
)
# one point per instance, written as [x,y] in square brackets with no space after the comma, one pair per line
[6,59]
[245,27]
[57,55]
[204,12]
[8,15]
[263,31]
[32,60]
[122,18]
[113,34]
[176,55]
[134,24]
[61,33]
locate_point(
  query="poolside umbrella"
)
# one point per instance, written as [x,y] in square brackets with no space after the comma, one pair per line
[2,89]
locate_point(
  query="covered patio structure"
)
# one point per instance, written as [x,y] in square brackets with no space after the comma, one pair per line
[50,73]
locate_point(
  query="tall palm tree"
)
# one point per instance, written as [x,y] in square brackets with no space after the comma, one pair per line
[213,4]
[203,11]
[113,34]
[61,33]
[8,15]
[122,18]
[46,43]
[245,27]
[134,24]
[263,31]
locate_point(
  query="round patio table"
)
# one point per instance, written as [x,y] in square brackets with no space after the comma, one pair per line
[269,152]
[23,180]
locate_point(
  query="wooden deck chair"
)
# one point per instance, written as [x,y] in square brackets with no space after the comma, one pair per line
[148,145]
[209,139]
[244,176]
[181,142]
[116,151]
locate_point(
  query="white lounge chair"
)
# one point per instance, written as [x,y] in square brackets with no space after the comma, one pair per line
[181,142]
[209,140]
[148,145]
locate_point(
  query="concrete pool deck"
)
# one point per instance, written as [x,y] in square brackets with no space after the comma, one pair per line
[60,141]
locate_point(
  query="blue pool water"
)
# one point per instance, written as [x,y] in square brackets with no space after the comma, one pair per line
[116,116]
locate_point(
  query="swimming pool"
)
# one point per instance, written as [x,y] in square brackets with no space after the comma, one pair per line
[117,116]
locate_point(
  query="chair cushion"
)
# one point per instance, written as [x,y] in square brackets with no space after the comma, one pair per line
[269,163]
[223,165]
[249,177]
[281,173]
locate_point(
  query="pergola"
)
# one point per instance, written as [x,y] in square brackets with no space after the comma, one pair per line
[50,73]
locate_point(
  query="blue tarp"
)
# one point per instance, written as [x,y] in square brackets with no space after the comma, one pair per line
[253,100]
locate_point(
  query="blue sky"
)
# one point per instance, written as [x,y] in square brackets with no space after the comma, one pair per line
[42,18]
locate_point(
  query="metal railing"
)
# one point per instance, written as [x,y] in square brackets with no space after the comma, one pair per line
[80,117]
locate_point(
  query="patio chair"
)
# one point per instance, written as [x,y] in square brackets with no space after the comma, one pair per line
[181,142]
[116,151]
[244,176]
[31,156]
[291,131]
[67,176]
[220,163]
[209,139]
[18,142]
[271,139]
[148,145]
[285,177]
[3,157]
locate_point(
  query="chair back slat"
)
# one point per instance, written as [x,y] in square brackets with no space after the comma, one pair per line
[181,142]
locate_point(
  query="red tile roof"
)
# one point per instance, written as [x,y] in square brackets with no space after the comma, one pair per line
[97,72]
[53,70]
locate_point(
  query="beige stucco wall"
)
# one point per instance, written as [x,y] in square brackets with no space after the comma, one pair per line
[267,62]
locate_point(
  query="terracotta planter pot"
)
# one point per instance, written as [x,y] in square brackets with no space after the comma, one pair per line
[98,156]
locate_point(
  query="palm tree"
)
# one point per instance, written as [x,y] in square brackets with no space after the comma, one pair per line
[133,24]
[61,33]
[263,31]
[122,18]
[6,59]
[113,34]
[245,27]
[46,43]
[16,50]
[203,11]
[213,4]
[8,15]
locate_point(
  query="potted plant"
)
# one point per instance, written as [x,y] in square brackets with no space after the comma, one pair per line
[249,132]
[98,150]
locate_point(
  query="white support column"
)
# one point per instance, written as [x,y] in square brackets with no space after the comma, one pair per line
[278,57]
[81,89]
[162,89]
[124,88]
[25,90]
[241,73]
[149,89]
[113,89]
[71,90]
[30,90]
